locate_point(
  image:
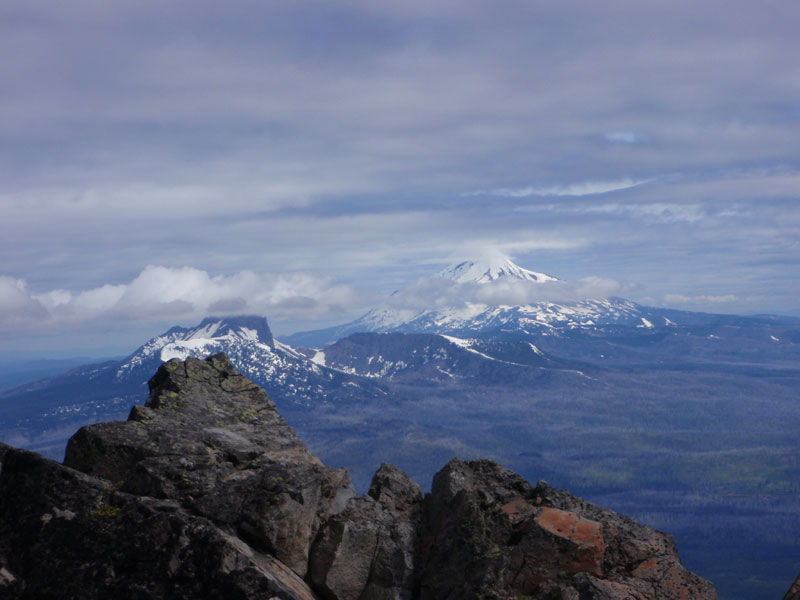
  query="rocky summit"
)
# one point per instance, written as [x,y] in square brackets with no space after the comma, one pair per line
[206,492]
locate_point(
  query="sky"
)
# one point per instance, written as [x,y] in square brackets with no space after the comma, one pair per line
[161,161]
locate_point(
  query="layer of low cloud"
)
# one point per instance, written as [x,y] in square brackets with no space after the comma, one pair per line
[16,305]
[678,299]
[439,293]
[161,293]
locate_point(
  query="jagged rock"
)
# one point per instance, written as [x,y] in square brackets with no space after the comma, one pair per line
[214,441]
[64,534]
[794,591]
[490,534]
[206,492]
[367,551]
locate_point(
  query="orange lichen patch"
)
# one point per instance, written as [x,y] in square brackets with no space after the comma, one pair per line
[670,580]
[585,534]
[571,526]
[649,569]
[557,521]
[518,511]
[676,580]
[588,532]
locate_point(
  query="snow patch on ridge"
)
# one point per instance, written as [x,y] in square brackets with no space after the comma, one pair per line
[197,347]
[467,345]
[205,332]
[284,348]
[535,349]
[319,358]
[248,334]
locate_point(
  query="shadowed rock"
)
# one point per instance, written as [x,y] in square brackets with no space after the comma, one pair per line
[64,534]
[213,441]
[794,591]
[367,551]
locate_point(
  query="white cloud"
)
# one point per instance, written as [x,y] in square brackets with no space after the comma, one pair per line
[657,212]
[435,292]
[650,213]
[624,137]
[584,188]
[718,299]
[16,306]
[160,292]
[677,298]
[684,299]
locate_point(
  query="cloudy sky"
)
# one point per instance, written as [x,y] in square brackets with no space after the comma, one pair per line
[163,160]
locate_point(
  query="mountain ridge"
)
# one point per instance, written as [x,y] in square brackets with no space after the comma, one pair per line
[299,379]
[530,308]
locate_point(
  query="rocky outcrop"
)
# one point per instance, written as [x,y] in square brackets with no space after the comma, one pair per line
[490,534]
[214,441]
[206,492]
[368,550]
[794,591]
[64,534]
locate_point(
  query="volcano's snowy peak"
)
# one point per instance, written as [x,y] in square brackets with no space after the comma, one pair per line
[211,336]
[485,271]
[250,328]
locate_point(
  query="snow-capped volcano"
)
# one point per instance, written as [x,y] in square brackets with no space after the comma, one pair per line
[486,297]
[492,269]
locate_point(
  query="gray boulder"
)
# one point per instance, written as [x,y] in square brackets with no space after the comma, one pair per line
[213,441]
[368,550]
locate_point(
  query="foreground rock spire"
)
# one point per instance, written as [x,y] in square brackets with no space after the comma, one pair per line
[206,492]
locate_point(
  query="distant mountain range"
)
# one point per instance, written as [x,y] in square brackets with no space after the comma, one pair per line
[491,344]
[360,368]
[473,318]
[682,419]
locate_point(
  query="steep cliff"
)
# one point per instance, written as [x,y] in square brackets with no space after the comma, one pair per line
[206,492]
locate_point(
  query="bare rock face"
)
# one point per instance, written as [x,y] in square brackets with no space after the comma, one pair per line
[206,492]
[213,441]
[64,534]
[367,551]
[490,534]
